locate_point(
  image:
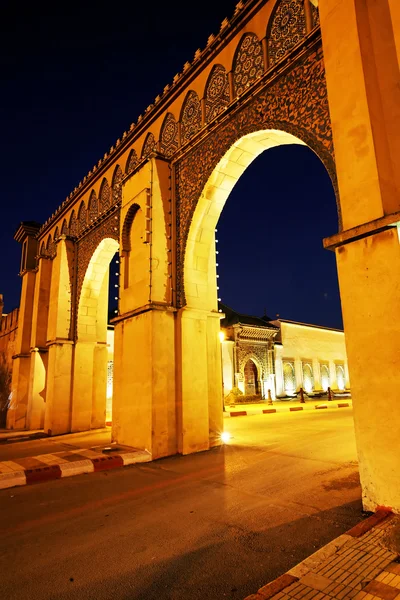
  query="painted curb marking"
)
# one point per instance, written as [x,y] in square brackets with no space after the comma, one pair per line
[314,560]
[67,469]
[267,411]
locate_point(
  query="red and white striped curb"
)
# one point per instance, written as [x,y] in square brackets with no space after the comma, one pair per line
[67,469]
[315,560]
[268,411]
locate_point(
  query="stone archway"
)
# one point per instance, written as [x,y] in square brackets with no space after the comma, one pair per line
[89,394]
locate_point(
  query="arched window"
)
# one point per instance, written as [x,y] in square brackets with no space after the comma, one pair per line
[340,377]
[308,377]
[325,377]
[289,378]
[126,240]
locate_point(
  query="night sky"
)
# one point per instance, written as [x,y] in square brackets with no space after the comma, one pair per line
[74,76]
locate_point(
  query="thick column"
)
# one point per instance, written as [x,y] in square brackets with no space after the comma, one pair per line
[199,369]
[37,389]
[38,349]
[144,411]
[18,409]
[366,133]
[214,375]
[369,278]
[59,373]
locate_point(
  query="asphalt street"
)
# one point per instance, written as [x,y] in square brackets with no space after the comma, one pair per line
[214,525]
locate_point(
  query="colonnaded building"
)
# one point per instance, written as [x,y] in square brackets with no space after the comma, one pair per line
[321,73]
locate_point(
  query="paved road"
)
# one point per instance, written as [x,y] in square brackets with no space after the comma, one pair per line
[204,527]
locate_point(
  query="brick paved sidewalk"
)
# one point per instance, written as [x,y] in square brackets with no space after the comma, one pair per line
[363,564]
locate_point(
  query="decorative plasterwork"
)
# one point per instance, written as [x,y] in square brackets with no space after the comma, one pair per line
[131,162]
[250,351]
[295,101]
[169,136]
[105,196]
[216,96]
[190,117]
[287,28]
[256,333]
[315,15]
[248,64]
[149,145]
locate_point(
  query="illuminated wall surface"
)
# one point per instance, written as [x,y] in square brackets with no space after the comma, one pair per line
[301,356]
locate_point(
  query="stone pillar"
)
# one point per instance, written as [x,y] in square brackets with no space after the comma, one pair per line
[144,392]
[18,408]
[38,349]
[200,392]
[317,374]
[366,133]
[60,345]
[144,411]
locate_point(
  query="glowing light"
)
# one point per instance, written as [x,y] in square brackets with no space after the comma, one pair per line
[221,336]
[225,437]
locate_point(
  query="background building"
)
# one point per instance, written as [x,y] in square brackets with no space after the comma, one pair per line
[260,354]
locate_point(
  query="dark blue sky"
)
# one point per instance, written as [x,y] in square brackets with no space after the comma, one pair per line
[74,76]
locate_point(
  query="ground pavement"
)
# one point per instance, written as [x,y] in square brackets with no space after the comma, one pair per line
[43,458]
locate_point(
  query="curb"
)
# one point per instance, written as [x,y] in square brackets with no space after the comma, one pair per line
[268,411]
[312,562]
[68,469]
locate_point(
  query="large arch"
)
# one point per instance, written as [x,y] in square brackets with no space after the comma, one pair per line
[91,355]
[199,264]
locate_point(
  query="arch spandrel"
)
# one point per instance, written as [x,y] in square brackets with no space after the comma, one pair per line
[296,103]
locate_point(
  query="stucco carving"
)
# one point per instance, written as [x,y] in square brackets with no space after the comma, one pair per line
[216,94]
[190,117]
[287,28]
[248,64]
[169,136]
